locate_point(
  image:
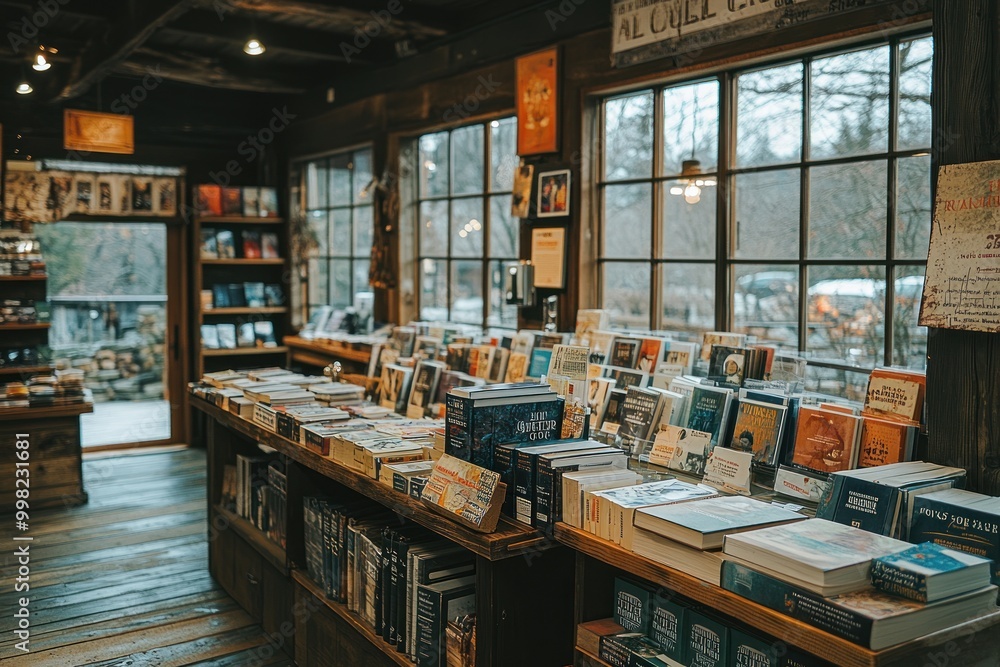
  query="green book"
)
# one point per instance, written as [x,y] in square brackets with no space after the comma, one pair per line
[633,604]
[706,640]
[666,628]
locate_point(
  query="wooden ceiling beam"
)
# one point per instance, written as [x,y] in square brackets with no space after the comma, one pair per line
[105,52]
[200,70]
[346,15]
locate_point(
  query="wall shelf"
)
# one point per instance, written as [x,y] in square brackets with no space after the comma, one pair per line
[22,279]
[243,262]
[240,351]
[263,310]
[240,220]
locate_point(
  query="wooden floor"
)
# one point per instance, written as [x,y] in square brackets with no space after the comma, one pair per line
[123,581]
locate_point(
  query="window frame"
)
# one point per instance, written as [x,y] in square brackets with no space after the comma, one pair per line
[725,262]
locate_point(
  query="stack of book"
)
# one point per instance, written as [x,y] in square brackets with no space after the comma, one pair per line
[819,572]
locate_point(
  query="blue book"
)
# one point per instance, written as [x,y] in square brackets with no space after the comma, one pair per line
[929,572]
[666,628]
[749,650]
[632,605]
[539,364]
[960,520]
[706,640]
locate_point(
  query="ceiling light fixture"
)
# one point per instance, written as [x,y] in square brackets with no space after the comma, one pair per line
[254,47]
[691,182]
[24,88]
[40,63]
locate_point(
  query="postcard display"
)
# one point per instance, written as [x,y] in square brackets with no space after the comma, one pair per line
[50,196]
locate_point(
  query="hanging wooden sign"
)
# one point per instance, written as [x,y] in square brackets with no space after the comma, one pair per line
[98,132]
[644,30]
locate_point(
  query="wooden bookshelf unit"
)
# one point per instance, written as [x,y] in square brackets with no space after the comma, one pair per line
[524,579]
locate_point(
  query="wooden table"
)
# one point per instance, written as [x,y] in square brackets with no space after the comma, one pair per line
[56,469]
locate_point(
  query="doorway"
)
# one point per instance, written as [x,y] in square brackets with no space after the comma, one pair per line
[115,295]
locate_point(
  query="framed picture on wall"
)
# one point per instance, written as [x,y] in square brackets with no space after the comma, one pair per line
[548,255]
[520,203]
[537,103]
[553,193]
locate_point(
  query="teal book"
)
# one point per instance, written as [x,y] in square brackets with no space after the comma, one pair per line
[539,364]
[633,605]
[666,628]
[706,640]
[751,651]
[929,572]
[708,412]
[959,520]
[860,503]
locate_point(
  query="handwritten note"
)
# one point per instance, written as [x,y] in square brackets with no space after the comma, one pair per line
[962,287]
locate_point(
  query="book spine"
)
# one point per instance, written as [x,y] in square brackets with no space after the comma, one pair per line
[614,652]
[458,427]
[382,604]
[545,491]
[390,633]
[797,603]
[896,581]
[400,482]
[429,630]
[324,509]
[503,465]
[524,487]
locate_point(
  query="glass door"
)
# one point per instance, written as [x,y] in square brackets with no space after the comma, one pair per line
[115,292]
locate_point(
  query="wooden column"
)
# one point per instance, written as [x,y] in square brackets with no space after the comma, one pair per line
[963,368]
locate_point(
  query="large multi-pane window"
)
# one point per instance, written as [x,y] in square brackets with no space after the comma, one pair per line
[789,201]
[465,232]
[339,210]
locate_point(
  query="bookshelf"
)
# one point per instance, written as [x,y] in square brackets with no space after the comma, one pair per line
[35,335]
[522,575]
[235,273]
[599,561]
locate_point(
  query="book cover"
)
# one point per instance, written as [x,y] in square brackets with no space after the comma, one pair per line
[727,338]
[707,640]
[639,414]
[613,415]
[267,202]
[632,605]
[721,515]
[208,199]
[895,394]
[263,331]
[227,336]
[535,420]
[758,429]
[599,390]
[729,470]
[253,294]
[727,365]
[959,520]
[626,377]
[906,573]
[540,359]
[883,442]
[690,449]
[209,337]
[251,244]
[464,490]
[517,367]
[209,246]
[251,197]
[624,352]
[825,441]
[436,603]
[232,202]
[269,246]
[650,351]
[425,381]
[220,296]
[394,387]
[860,503]
[709,407]
[749,650]
[666,627]
[225,244]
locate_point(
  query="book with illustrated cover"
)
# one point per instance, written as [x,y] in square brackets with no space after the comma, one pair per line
[726,338]
[618,507]
[484,362]
[209,337]
[759,428]
[209,246]
[929,572]
[250,202]
[469,493]
[274,295]
[727,365]
[639,417]
[254,295]
[612,415]
[245,335]
[394,387]
[225,244]
[691,449]
[232,202]
[227,336]
[269,246]
[959,520]
[251,244]
[885,441]
[825,440]
[708,410]
[650,353]
[680,353]
[588,322]
[896,393]
[426,376]
[599,390]
[624,352]
[267,202]
[263,332]
[208,199]
[627,377]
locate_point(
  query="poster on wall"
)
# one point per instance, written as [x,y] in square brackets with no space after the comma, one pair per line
[537,103]
[644,30]
[548,256]
[962,287]
[96,132]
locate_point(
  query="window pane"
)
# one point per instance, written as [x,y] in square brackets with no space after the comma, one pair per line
[767,206]
[689,297]
[628,218]
[467,227]
[340,180]
[915,59]
[689,228]
[340,232]
[913,207]
[846,310]
[504,230]
[363,231]
[849,106]
[341,295]
[433,290]
[909,341]
[501,314]
[467,292]
[691,126]
[769,116]
[766,302]
[847,211]
[434,228]
[628,137]
[434,165]
[318,224]
[316,184]
[361,267]
[468,155]
[319,294]
[835,382]
[504,154]
[626,293]
[362,176]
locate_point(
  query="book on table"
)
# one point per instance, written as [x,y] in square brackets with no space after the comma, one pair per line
[929,572]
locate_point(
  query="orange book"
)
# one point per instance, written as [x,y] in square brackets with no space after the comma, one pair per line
[208,199]
[649,354]
[826,441]
[896,394]
[884,441]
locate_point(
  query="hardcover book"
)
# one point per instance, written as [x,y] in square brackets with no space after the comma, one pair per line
[269,246]
[624,352]
[209,247]
[251,200]
[208,199]
[825,441]
[394,387]
[929,572]
[209,337]
[727,365]
[709,410]
[711,338]
[267,202]
[263,331]
[540,359]
[436,604]
[225,244]
[626,377]
[650,352]
[884,441]
[517,367]
[959,520]
[632,605]
[251,244]
[666,627]
[232,202]
[896,394]
[227,336]
[425,382]
[758,429]
[749,650]
[707,640]
[703,524]
[639,415]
